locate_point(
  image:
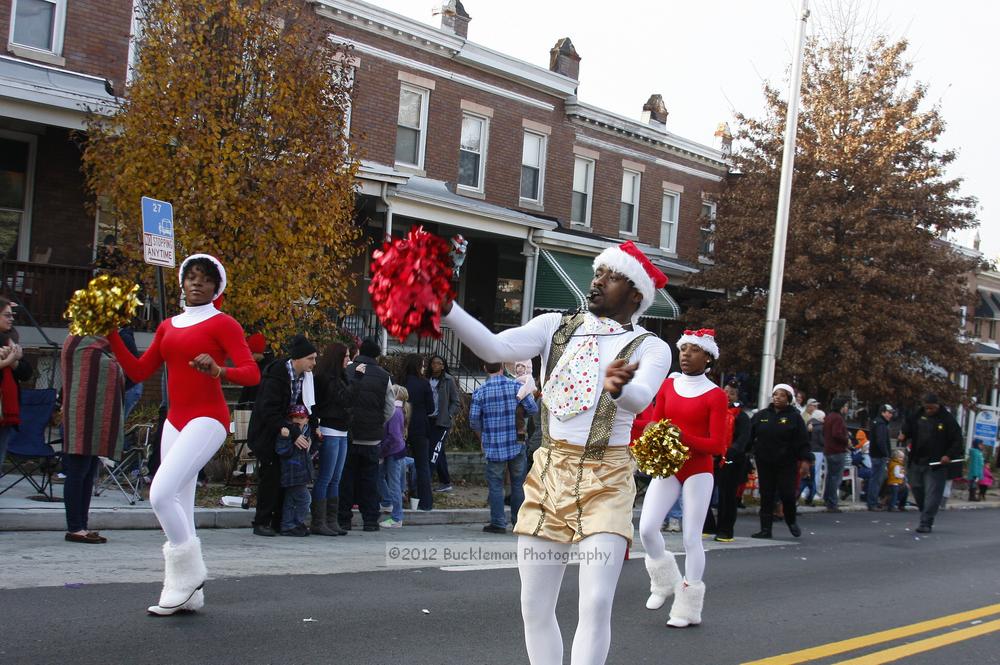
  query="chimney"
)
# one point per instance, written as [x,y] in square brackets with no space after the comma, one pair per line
[654,112]
[976,242]
[724,139]
[563,59]
[454,18]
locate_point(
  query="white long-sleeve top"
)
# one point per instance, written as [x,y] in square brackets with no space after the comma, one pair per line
[535,338]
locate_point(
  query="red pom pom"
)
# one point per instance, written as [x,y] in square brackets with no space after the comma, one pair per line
[411,277]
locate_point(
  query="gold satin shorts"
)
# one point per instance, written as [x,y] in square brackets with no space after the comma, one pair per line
[565,503]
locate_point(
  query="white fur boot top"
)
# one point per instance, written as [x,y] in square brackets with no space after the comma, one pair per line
[663,577]
[183,579]
[688,600]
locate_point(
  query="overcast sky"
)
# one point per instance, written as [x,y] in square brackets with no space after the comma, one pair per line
[709,58]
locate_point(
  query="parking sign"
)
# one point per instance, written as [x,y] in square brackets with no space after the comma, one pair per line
[158,232]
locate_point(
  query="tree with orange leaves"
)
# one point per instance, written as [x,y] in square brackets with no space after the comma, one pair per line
[872,292]
[236,114]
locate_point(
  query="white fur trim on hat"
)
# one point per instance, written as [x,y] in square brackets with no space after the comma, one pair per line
[704,341]
[218,264]
[620,262]
[785,387]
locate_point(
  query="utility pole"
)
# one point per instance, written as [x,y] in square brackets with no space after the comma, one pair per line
[781,223]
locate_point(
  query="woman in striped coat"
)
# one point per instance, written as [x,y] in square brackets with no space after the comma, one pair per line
[93,425]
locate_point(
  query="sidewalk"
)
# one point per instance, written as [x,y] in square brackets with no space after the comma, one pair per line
[112,511]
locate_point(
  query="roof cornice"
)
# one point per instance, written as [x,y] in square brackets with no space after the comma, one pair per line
[644,133]
[440,42]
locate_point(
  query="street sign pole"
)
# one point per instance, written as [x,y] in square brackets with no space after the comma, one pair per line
[158,250]
[781,224]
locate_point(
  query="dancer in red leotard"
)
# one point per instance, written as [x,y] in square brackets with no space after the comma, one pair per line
[698,407]
[194,346]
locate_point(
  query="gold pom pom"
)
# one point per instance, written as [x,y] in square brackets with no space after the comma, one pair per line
[659,451]
[107,304]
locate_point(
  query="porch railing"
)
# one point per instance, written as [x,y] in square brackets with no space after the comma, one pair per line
[44,289]
[364,323]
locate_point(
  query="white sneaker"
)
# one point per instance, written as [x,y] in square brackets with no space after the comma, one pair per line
[674,525]
[391,524]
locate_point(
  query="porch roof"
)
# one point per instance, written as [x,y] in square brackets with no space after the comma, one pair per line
[986,351]
[39,93]
[988,306]
[563,282]
[426,198]
[586,241]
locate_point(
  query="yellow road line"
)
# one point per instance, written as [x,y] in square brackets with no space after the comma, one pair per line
[895,653]
[834,648]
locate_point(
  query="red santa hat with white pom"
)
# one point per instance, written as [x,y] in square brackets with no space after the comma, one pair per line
[217,298]
[629,260]
[703,338]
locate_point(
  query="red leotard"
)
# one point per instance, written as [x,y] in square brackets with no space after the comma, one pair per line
[193,394]
[702,421]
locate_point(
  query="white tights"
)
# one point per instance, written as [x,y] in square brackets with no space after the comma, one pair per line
[660,498]
[182,455]
[601,559]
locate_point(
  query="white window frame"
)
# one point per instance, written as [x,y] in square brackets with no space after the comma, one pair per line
[58,32]
[425,97]
[480,186]
[348,67]
[591,168]
[543,152]
[24,233]
[671,244]
[636,190]
[707,224]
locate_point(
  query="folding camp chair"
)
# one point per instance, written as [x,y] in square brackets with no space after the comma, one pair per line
[30,449]
[243,459]
[129,473]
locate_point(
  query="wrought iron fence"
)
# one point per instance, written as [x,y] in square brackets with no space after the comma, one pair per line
[44,289]
[364,323]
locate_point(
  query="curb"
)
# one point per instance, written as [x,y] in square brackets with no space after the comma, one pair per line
[54,519]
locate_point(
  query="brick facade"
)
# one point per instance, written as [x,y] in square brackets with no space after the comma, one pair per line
[373,131]
[95,40]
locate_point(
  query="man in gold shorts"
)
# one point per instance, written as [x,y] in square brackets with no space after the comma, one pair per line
[599,369]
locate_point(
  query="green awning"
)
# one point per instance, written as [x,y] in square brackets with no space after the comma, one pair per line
[563,281]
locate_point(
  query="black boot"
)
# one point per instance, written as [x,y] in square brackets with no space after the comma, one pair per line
[765,527]
[318,524]
[331,517]
[792,522]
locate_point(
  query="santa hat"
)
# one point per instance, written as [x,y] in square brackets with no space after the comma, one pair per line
[629,260]
[787,388]
[703,339]
[217,298]
[257,343]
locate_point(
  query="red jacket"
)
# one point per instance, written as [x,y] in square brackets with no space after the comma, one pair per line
[835,437]
[10,394]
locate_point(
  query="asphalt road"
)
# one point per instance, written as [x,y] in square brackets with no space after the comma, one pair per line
[849,576]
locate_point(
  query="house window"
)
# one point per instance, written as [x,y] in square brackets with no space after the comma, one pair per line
[668,221]
[16,166]
[411,126]
[472,152]
[707,229]
[39,24]
[532,167]
[629,216]
[583,190]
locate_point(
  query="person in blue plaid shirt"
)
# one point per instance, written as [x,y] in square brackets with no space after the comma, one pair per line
[492,416]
